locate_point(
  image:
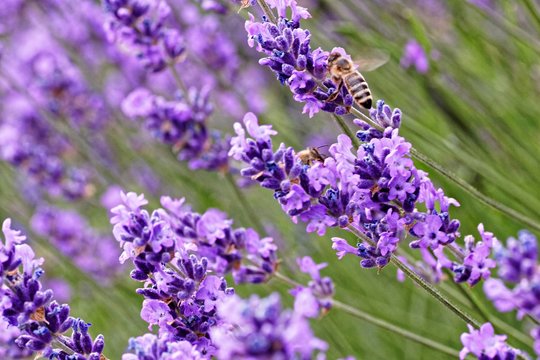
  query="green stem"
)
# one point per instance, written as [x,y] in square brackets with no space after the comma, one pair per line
[474,192]
[396,329]
[250,212]
[379,322]
[346,130]
[533,11]
[267,11]
[181,85]
[430,289]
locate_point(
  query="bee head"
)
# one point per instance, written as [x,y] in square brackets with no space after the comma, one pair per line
[338,64]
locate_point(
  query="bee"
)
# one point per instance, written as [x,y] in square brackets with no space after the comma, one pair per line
[345,72]
[310,155]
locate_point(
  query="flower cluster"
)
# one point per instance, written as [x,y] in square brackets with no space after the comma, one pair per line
[181,124]
[476,263]
[374,189]
[316,298]
[139,27]
[290,57]
[260,329]
[152,347]
[26,305]
[61,90]
[30,144]
[70,233]
[519,279]
[485,345]
[415,56]
[181,256]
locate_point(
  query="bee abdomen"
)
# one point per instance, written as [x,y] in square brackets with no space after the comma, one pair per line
[363,98]
[359,90]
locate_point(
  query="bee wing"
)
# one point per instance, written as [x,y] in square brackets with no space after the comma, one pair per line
[372,60]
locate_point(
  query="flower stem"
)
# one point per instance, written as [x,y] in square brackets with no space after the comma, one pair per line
[379,322]
[430,289]
[474,192]
[179,82]
[250,212]
[533,11]
[346,130]
[267,11]
[395,329]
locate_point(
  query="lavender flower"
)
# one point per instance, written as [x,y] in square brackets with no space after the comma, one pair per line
[516,288]
[29,307]
[415,56]
[182,125]
[290,57]
[485,345]
[259,329]
[181,256]
[31,145]
[316,298]
[475,263]
[375,189]
[74,238]
[139,26]
[152,347]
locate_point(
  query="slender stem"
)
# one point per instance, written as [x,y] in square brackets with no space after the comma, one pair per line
[430,289]
[395,329]
[267,11]
[250,212]
[346,130]
[533,11]
[181,85]
[474,192]
[379,322]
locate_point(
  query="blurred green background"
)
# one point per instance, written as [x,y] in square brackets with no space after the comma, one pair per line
[476,111]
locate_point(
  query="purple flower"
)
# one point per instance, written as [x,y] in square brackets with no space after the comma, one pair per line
[316,298]
[484,344]
[415,56]
[162,347]
[212,225]
[518,259]
[181,124]
[374,188]
[476,265]
[27,306]
[181,256]
[429,233]
[139,27]
[259,328]
[289,55]
[155,312]
[342,247]
[501,296]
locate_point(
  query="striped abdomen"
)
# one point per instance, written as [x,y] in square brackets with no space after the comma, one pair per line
[358,88]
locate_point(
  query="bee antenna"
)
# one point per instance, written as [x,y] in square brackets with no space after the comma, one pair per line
[322,146]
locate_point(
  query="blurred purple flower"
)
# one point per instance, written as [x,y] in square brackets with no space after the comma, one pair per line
[415,56]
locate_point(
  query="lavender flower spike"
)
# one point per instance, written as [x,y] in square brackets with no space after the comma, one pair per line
[485,345]
[24,304]
[259,329]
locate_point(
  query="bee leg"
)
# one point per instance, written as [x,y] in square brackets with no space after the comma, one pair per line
[336,92]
